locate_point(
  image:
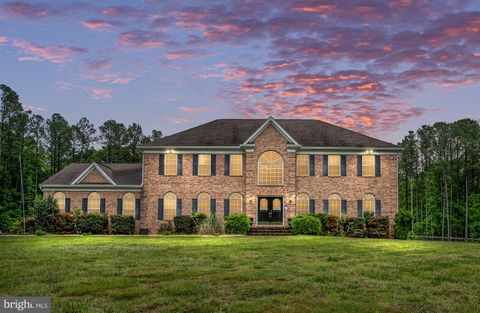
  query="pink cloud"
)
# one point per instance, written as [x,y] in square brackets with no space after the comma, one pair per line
[99,64]
[185,54]
[52,53]
[24,10]
[100,93]
[190,109]
[141,38]
[3,39]
[101,25]
[111,78]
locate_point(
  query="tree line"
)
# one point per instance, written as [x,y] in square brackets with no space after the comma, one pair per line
[46,145]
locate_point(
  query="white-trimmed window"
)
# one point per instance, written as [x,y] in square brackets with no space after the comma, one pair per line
[236,165]
[270,169]
[204,165]
[276,204]
[303,204]
[94,202]
[169,206]
[204,203]
[368,203]
[368,165]
[263,204]
[129,204]
[334,165]
[171,164]
[60,198]
[334,205]
[303,165]
[235,203]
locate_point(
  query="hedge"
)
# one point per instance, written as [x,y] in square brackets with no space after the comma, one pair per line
[306,225]
[237,224]
[64,223]
[122,224]
[90,223]
[185,224]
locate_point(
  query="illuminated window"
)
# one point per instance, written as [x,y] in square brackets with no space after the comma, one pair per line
[60,197]
[270,169]
[369,203]
[236,165]
[204,164]
[235,203]
[169,206]
[277,205]
[94,203]
[334,205]
[129,204]
[204,203]
[333,165]
[368,165]
[303,165]
[263,204]
[302,204]
[171,164]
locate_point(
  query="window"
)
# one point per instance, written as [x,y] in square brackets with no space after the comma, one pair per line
[334,205]
[60,197]
[369,203]
[236,165]
[171,164]
[235,203]
[204,164]
[368,165]
[333,165]
[277,205]
[303,165]
[94,203]
[303,204]
[270,169]
[169,206]
[129,204]
[263,204]
[204,203]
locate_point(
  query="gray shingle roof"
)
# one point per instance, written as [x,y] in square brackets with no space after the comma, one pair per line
[233,132]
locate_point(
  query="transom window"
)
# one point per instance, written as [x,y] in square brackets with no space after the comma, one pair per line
[333,165]
[235,203]
[204,203]
[236,165]
[303,165]
[93,203]
[368,165]
[277,204]
[129,204]
[204,164]
[60,197]
[334,205]
[270,169]
[169,206]
[369,203]
[302,204]
[263,204]
[171,164]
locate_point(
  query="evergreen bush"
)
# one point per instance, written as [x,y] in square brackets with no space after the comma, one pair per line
[237,224]
[122,224]
[306,225]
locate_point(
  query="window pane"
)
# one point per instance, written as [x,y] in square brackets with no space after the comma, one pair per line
[171,164]
[302,204]
[334,205]
[204,164]
[169,206]
[333,165]
[235,203]
[368,204]
[129,204]
[93,203]
[236,165]
[270,169]
[368,164]
[277,205]
[303,165]
[60,197]
[263,204]
[204,203]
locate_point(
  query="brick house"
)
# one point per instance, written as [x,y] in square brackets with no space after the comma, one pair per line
[272,170]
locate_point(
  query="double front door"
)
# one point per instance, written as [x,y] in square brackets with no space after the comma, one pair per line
[270,210]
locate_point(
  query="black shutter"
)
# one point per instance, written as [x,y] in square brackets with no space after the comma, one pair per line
[137,209]
[312,164]
[359,208]
[179,207]
[343,167]
[213,160]
[84,205]
[67,205]
[179,164]
[311,206]
[102,205]
[359,165]
[195,165]
[344,207]
[119,206]
[325,165]
[325,206]
[161,164]
[160,209]
[378,207]
[227,165]
[226,207]
[213,206]
[194,205]
[377,166]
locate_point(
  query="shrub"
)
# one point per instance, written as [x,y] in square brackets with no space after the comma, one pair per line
[45,211]
[17,226]
[354,227]
[306,225]
[122,224]
[212,226]
[90,223]
[377,227]
[403,224]
[185,224]
[40,232]
[6,220]
[64,223]
[237,224]
[331,226]
[165,228]
[199,217]
[322,217]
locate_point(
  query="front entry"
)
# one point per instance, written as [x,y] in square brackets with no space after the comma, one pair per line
[270,211]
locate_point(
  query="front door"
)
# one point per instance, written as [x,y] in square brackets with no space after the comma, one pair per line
[270,211]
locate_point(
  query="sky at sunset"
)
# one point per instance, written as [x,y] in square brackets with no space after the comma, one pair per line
[378,67]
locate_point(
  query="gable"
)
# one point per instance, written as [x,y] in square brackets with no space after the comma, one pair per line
[271,124]
[94,177]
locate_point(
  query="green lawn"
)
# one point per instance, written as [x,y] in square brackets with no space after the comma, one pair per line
[242,274]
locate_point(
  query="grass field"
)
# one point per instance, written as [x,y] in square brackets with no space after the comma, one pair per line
[242,274]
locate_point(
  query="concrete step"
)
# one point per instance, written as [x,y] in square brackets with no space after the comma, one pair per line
[270,231]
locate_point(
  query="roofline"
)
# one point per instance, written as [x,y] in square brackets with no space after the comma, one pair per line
[271,120]
[92,187]
[88,170]
[246,147]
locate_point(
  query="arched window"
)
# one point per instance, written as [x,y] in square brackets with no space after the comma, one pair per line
[334,204]
[93,202]
[204,203]
[277,204]
[368,203]
[302,204]
[60,197]
[129,204]
[169,206]
[263,204]
[235,203]
[270,169]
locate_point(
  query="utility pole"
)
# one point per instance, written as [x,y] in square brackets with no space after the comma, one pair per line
[22,193]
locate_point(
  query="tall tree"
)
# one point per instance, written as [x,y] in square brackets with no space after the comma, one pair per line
[83,134]
[113,137]
[59,142]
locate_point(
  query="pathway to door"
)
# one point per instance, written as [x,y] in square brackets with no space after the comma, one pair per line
[270,210]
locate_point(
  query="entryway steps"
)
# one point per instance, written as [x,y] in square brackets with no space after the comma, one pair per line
[270,231]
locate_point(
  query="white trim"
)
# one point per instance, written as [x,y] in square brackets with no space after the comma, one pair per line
[88,170]
[230,205]
[239,151]
[283,209]
[345,153]
[272,121]
[283,170]
[88,188]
